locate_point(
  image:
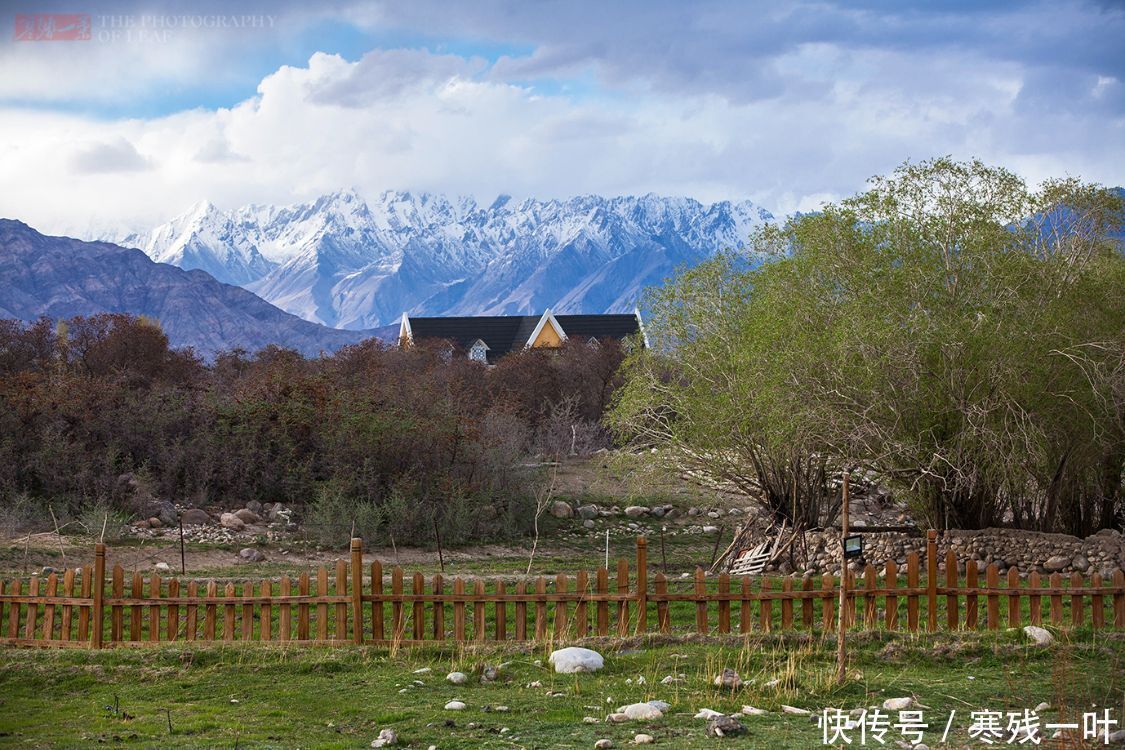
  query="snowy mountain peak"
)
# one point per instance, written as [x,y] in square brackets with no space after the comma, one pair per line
[344,262]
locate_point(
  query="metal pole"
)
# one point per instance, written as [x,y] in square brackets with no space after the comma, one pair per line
[841,629]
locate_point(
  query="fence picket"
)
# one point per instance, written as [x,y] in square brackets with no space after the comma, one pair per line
[745,606]
[303,608]
[32,609]
[248,611]
[1035,601]
[786,604]
[192,625]
[952,615]
[765,607]
[890,618]
[209,614]
[322,607]
[418,615]
[700,602]
[912,597]
[341,607]
[479,609]
[623,605]
[828,602]
[84,612]
[284,617]
[663,623]
[154,587]
[173,610]
[992,582]
[540,609]
[724,604]
[1077,602]
[458,610]
[14,612]
[1119,598]
[561,607]
[806,604]
[1056,599]
[501,610]
[67,609]
[870,615]
[1013,597]
[228,612]
[136,612]
[265,613]
[521,613]
[49,609]
[439,608]
[603,605]
[377,632]
[1097,605]
[971,605]
[398,618]
[115,617]
[581,614]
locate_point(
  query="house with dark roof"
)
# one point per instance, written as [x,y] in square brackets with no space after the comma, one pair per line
[487,338]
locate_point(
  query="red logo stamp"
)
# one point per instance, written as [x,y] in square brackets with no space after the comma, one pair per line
[52,27]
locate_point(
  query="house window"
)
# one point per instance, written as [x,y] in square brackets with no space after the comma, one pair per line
[478,352]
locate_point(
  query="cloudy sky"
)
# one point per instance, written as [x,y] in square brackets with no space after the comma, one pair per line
[788,104]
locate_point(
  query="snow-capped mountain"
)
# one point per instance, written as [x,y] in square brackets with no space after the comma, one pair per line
[345,263]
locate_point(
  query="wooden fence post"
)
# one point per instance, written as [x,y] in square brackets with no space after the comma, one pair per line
[357,590]
[99,593]
[642,584]
[931,580]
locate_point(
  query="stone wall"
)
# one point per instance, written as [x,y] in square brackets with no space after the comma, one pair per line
[1102,553]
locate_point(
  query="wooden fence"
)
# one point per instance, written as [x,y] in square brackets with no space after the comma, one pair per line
[338,607]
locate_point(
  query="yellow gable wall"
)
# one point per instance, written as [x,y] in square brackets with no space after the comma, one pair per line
[547,337]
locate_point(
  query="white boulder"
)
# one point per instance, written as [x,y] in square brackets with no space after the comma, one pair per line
[573,659]
[1040,636]
[455,706]
[642,712]
[457,678]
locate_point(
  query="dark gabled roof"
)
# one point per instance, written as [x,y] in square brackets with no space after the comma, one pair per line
[584,327]
[507,333]
[502,333]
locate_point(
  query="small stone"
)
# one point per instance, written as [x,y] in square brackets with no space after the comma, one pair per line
[669,680]
[489,674]
[589,720]
[249,554]
[247,516]
[617,717]
[635,511]
[1042,707]
[710,529]
[642,712]
[603,744]
[729,679]
[751,711]
[423,670]
[1056,563]
[795,711]
[725,726]
[457,678]
[232,522]
[588,524]
[898,704]
[387,737]
[643,739]
[588,512]
[163,567]
[455,706]
[1040,636]
[1080,563]
[707,713]
[154,523]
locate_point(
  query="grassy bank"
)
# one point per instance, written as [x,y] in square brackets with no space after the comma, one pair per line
[264,697]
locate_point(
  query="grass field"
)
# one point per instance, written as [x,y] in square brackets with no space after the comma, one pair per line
[314,697]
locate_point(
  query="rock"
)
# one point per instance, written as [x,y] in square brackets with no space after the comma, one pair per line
[751,711]
[154,523]
[729,679]
[455,706]
[589,720]
[1040,636]
[1056,563]
[642,712]
[1042,707]
[635,511]
[1118,736]
[1080,563]
[588,512]
[670,680]
[232,522]
[710,529]
[247,516]
[423,670]
[249,554]
[662,705]
[163,567]
[195,517]
[574,659]
[898,704]
[617,717]
[255,506]
[694,511]
[386,738]
[489,674]
[657,512]
[643,739]
[725,726]
[795,711]
[706,713]
[603,744]
[457,678]
[560,509]
[588,524]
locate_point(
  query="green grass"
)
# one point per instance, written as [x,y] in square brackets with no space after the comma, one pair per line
[266,697]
